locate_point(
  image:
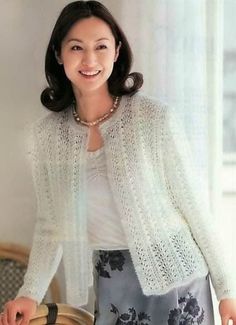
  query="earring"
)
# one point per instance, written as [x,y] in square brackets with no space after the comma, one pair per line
[118,47]
[58,59]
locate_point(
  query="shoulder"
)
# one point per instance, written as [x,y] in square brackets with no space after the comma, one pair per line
[41,132]
[147,101]
[47,124]
[160,112]
[148,106]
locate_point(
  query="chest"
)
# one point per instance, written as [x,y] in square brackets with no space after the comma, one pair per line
[95,139]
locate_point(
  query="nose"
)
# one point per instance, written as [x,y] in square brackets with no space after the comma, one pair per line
[89,58]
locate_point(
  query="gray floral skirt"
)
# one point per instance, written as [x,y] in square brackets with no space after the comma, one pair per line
[119,299]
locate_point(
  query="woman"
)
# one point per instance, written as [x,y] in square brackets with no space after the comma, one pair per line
[116,189]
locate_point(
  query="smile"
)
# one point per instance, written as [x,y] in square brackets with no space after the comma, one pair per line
[90,73]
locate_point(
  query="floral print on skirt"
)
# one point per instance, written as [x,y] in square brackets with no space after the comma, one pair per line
[119,299]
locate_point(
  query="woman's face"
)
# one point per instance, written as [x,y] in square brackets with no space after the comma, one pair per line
[88,54]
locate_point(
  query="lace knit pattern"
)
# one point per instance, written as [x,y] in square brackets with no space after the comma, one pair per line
[163,205]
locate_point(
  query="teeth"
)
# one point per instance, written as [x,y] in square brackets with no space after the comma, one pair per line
[90,73]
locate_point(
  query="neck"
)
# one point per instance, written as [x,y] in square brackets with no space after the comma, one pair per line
[93,105]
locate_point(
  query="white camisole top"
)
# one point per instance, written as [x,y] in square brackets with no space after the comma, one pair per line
[105,230]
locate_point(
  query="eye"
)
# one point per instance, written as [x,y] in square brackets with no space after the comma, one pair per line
[102,47]
[76,48]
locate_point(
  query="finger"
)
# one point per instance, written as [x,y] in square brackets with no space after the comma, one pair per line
[4,318]
[19,320]
[224,320]
[1,315]
[12,316]
[25,319]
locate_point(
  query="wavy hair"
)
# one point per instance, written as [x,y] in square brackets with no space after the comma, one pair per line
[59,94]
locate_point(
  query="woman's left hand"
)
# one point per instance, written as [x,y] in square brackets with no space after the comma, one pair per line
[227,309]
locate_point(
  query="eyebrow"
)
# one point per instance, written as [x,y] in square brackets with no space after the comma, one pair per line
[78,40]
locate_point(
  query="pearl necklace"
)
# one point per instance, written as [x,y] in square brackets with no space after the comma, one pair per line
[78,119]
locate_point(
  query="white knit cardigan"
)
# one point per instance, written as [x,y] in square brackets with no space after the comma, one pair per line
[163,203]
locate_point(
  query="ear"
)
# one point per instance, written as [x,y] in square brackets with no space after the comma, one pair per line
[58,58]
[117,51]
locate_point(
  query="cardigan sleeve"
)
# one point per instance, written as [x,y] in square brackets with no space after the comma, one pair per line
[46,251]
[189,191]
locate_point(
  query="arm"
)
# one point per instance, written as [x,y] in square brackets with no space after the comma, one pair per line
[190,193]
[46,251]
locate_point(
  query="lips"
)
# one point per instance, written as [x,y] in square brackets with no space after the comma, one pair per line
[90,73]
